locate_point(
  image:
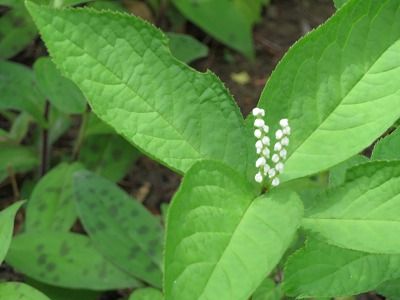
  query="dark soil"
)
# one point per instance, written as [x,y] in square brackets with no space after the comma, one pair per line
[283,22]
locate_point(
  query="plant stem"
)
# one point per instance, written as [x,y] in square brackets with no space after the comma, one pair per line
[81,135]
[45,142]
[14,183]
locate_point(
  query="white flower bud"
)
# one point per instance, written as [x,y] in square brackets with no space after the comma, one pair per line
[271,172]
[266,141]
[258,112]
[275,158]
[279,134]
[283,153]
[275,181]
[279,167]
[259,123]
[285,141]
[266,169]
[286,130]
[266,128]
[257,133]
[266,152]
[258,178]
[259,145]
[284,122]
[278,146]
[260,162]
[259,150]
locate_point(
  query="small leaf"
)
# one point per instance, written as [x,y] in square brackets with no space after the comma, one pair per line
[108,155]
[60,91]
[267,291]
[175,114]
[364,213]
[7,216]
[66,260]
[20,291]
[52,205]
[146,294]
[18,90]
[323,270]
[20,127]
[388,148]
[221,242]
[17,159]
[17,30]
[111,217]
[186,48]
[336,86]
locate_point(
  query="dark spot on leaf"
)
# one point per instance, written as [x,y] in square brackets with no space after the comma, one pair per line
[116,154]
[101,226]
[151,268]
[18,21]
[70,260]
[85,272]
[134,251]
[113,210]
[42,206]
[42,259]
[53,190]
[103,271]
[64,249]
[40,247]
[92,190]
[134,213]
[143,230]
[56,278]
[50,267]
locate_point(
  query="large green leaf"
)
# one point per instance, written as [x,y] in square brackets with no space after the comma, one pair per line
[146,294]
[20,291]
[65,260]
[18,90]
[60,91]
[17,30]
[364,213]
[228,21]
[110,216]
[388,148]
[220,241]
[16,159]
[108,155]
[323,270]
[52,205]
[6,227]
[124,67]
[338,86]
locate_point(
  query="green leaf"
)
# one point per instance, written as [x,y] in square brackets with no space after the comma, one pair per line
[57,293]
[339,3]
[66,260]
[17,31]
[323,270]
[20,127]
[146,294]
[134,84]
[220,241]
[364,213]
[20,291]
[108,155]
[338,86]
[96,126]
[267,291]
[111,217]
[52,205]
[60,91]
[337,175]
[186,48]
[390,289]
[7,216]
[228,21]
[388,148]
[18,90]
[17,159]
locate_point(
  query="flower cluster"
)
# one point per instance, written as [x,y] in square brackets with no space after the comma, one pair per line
[263,144]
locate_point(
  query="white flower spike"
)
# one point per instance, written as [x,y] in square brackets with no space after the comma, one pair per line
[261,130]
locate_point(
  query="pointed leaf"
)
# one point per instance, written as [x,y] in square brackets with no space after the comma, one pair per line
[186,48]
[267,291]
[7,216]
[220,241]
[388,148]
[20,291]
[66,260]
[338,86]
[364,213]
[337,175]
[125,69]
[323,270]
[52,206]
[111,217]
